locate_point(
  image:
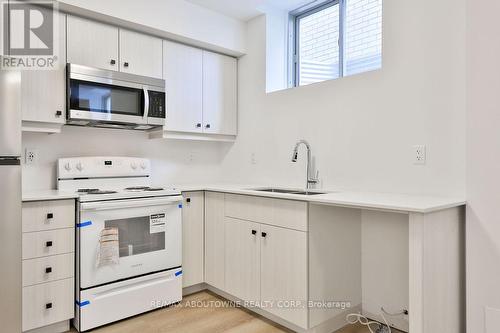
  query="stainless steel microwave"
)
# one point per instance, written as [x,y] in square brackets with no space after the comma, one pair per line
[103,98]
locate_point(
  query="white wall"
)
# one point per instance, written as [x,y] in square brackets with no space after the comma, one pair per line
[362,128]
[172,163]
[182,20]
[171,160]
[483,166]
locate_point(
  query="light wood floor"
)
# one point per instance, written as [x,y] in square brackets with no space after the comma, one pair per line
[186,319]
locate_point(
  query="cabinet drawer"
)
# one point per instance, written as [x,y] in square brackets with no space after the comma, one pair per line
[48,243]
[48,215]
[48,303]
[42,270]
[278,212]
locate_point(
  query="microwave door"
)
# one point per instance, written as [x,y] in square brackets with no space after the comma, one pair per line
[96,101]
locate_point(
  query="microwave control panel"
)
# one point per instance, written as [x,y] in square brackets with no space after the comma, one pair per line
[156,104]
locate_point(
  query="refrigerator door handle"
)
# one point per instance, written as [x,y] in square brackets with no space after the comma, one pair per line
[10,114]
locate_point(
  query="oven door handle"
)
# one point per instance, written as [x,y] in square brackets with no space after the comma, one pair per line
[123,204]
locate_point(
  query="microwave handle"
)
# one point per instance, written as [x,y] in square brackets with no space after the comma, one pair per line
[123,204]
[146,105]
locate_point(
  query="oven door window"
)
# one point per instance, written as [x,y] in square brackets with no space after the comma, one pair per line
[104,98]
[139,235]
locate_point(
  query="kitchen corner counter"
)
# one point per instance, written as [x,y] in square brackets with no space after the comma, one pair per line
[404,203]
[45,195]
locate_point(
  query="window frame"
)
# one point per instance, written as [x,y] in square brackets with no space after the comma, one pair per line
[294,36]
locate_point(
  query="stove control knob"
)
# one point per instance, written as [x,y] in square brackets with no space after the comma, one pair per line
[79,166]
[133,165]
[67,166]
[143,166]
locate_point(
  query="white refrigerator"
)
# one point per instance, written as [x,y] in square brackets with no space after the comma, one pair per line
[10,202]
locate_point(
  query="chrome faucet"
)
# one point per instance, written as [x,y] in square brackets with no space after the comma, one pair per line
[311,180]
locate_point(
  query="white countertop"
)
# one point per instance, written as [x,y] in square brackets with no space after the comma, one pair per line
[404,203]
[44,195]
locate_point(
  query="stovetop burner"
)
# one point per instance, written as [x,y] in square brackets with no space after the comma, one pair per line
[143,188]
[137,188]
[153,189]
[87,190]
[95,191]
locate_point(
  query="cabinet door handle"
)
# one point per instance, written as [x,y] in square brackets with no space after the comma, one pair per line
[198,125]
[188,200]
[254,232]
[48,270]
[125,64]
[207,126]
[112,62]
[58,113]
[50,216]
[48,306]
[48,244]
[264,234]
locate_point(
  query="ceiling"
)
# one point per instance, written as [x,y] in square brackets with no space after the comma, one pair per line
[245,10]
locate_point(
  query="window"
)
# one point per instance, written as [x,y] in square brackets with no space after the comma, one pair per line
[334,39]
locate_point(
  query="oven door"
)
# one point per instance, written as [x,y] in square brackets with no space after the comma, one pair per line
[149,238]
[116,102]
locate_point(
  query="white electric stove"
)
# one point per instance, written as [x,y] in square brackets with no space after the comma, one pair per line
[128,239]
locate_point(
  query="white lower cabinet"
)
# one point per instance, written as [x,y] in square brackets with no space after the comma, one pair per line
[214,240]
[283,279]
[48,269]
[48,263]
[48,243]
[192,238]
[48,303]
[267,264]
[242,256]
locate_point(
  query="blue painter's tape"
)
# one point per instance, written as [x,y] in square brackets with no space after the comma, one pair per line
[82,304]
[84,224]
[178,273]
[180,205]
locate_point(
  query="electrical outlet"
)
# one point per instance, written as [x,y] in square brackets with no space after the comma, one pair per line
[191,157]
[419,155]
[253,158]
[31,156]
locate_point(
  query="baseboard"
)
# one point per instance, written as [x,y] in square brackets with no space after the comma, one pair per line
[335,323]
[60,327]
[328,326]
[258,311]
[194,289]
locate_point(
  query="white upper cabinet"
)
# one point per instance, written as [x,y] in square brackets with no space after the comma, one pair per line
[92,43]
[201,94]
[183,72]
[44,91]
[219,94]
[140,54]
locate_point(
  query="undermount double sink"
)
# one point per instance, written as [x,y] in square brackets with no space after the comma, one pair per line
[287,191]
